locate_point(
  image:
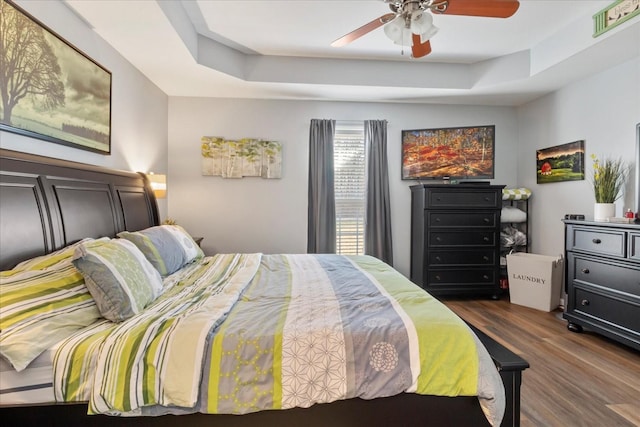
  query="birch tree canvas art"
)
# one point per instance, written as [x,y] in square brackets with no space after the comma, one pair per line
[240,158]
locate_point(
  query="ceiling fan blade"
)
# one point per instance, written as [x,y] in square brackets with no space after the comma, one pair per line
[418,49]
[356,34]
[488,8]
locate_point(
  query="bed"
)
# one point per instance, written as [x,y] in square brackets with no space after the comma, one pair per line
[48,206]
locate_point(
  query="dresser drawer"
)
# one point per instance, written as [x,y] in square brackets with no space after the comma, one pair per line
[462,219]
[461,257]
[622,278]
[462,238]
[634,246]
[461,198]
[616,312]
[605,242]
[461,277]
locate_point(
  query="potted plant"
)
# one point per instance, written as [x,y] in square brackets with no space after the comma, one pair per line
[609,176]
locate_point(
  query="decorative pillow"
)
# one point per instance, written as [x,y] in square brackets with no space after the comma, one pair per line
[118,276]
[48,260]
[39,308]
[515,193]
[167,247]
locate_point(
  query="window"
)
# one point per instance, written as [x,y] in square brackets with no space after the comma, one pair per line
[350,187]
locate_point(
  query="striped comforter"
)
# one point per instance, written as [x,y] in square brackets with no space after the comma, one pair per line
[238,333]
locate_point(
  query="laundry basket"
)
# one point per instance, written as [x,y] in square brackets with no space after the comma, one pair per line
[535,280]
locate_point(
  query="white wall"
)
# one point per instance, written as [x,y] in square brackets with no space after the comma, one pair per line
[270,216]
[139,110]
[603,110]
[252,214]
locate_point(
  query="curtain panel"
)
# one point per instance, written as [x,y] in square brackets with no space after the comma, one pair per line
[377,238]
[321,224]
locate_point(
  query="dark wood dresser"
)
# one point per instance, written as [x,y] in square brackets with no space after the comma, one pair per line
[603,279]
[455,238]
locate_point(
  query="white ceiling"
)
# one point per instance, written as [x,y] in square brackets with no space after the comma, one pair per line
[281,50]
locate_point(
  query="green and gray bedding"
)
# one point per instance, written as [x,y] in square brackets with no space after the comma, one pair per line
[238,333]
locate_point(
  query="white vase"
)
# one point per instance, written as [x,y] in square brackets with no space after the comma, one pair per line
[603,211]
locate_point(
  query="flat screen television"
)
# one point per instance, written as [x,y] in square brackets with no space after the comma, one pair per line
[449,153]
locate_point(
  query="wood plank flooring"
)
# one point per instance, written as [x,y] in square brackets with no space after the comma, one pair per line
[575,379]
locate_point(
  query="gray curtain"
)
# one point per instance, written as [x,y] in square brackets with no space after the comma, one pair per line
[377,232]
[321,232]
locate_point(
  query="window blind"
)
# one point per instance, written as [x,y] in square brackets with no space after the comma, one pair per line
[350,187]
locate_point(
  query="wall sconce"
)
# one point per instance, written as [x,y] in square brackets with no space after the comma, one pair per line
[158,184]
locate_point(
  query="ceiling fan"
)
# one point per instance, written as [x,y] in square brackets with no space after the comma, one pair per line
[410,24]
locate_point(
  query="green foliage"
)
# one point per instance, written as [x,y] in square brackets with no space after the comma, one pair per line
[559,175]
[609,176]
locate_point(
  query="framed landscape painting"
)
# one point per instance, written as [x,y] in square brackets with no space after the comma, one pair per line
[242,157]
[449,153]
[49,89]
[560,163]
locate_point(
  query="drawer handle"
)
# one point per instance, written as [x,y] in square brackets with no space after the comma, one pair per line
[485,258]
[438,239]
[585,270]
[437,219]
[584,302]
[486,220]
[437,277]
[486,199]
[597,241]
[438,259]
[485,238]
[485,277]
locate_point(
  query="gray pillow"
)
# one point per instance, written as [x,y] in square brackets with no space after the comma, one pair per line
[118,276]
[167,247]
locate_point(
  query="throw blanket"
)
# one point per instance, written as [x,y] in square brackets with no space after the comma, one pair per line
[242,333]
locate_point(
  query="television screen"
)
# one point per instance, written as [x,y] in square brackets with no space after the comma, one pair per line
[448,153]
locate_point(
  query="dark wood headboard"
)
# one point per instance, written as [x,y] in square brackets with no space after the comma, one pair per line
[46,204]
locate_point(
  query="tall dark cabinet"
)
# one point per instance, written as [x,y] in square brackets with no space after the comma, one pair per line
[455,238]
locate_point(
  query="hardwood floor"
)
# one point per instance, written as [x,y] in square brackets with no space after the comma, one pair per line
[574,379]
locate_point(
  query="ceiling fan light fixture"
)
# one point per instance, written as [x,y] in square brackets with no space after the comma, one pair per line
[397,31]
[422,25]
[410,22]
[429,33]
[402,28]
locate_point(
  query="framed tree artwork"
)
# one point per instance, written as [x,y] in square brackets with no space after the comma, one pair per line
[449,153]
[242,157]
[49,89]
